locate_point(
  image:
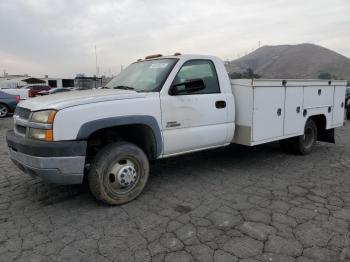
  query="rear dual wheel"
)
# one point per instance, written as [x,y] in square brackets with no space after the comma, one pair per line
[118,173]
[303,144]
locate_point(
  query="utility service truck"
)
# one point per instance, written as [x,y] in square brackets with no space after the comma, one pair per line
[163,106]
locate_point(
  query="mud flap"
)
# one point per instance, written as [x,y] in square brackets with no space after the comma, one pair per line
[327,136]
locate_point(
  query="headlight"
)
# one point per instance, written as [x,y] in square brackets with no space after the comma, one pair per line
[41,124]
[45,117]
[40,134]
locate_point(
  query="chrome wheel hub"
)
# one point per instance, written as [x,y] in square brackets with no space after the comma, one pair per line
[122,176]
[3,111]
[126,176]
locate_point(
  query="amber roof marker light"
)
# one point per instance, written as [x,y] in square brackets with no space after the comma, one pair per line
[153,56]
[177,54]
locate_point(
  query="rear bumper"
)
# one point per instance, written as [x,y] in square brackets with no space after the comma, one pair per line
[55,162]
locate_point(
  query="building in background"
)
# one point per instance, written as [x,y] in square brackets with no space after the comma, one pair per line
[80,81]
[16,81]
[83,82]
[58,82]
[106,79]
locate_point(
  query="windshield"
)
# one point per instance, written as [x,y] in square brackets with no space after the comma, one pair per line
[145,76]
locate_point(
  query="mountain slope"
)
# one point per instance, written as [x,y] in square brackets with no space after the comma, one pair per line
[293,61]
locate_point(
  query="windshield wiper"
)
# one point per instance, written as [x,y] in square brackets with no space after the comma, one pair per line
[124,87]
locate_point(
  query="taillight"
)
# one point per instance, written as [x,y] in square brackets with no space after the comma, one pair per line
[31,93]
[18,98]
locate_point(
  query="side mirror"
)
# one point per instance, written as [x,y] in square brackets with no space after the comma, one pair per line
[189,86]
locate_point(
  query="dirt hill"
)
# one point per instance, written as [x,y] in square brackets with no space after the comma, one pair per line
[293,61]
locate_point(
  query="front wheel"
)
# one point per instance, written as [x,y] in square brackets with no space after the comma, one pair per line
[304,144]
[118,173]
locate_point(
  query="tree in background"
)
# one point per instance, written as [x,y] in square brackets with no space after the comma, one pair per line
[248,74]
[324,75]
[327,76]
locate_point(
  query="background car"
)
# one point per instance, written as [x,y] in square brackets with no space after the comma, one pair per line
[347,102]
[8,103]
[53,91]
[35,89]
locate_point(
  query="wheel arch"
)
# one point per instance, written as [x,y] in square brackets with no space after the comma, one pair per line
[143,131]
[322,133]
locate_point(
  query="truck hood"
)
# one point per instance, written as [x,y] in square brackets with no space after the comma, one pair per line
[74,98]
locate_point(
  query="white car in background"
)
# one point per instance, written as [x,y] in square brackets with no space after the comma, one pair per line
[22,93]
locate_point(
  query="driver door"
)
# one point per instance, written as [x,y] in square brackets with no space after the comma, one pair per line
[194,120]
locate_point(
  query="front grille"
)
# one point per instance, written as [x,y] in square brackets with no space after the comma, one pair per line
[23,113]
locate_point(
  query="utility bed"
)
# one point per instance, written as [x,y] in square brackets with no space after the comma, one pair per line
[275,109]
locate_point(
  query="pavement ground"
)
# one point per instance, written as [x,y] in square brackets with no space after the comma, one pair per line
[230,204]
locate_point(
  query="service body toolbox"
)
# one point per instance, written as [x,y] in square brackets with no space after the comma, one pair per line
[273,109]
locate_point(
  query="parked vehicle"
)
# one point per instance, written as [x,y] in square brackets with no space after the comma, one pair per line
[347,103]
[162,107]
[22,93]
[53,91]
[8,103]
[34,89]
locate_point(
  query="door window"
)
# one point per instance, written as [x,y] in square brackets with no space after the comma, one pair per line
[198,69]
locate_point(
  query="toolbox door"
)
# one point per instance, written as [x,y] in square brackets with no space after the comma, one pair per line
[293,119]
[339,106]
[268,113]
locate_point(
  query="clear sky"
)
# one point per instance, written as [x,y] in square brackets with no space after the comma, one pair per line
[57,37]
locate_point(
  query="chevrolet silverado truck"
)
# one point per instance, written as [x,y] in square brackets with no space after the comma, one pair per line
[163,106]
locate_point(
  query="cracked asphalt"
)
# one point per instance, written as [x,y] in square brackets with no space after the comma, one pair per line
[230,204]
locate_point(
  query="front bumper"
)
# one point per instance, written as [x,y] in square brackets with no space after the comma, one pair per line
[55,162]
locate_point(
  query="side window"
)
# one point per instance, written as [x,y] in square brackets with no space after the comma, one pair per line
[199,69]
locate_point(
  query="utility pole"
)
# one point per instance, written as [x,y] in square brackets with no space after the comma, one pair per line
[96,62]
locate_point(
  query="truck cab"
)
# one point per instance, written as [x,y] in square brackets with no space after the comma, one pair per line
[197,106]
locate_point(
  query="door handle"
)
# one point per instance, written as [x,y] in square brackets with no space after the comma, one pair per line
[220,104]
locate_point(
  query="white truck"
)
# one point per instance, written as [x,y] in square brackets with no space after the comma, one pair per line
[164,106]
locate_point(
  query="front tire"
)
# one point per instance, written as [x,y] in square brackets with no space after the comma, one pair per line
[118,173]
[304,144]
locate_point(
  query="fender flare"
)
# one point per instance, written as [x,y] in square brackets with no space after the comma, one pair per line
[89,128]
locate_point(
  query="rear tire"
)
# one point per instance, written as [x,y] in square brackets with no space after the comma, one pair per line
[4,110]
[304,144]
[118,173]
